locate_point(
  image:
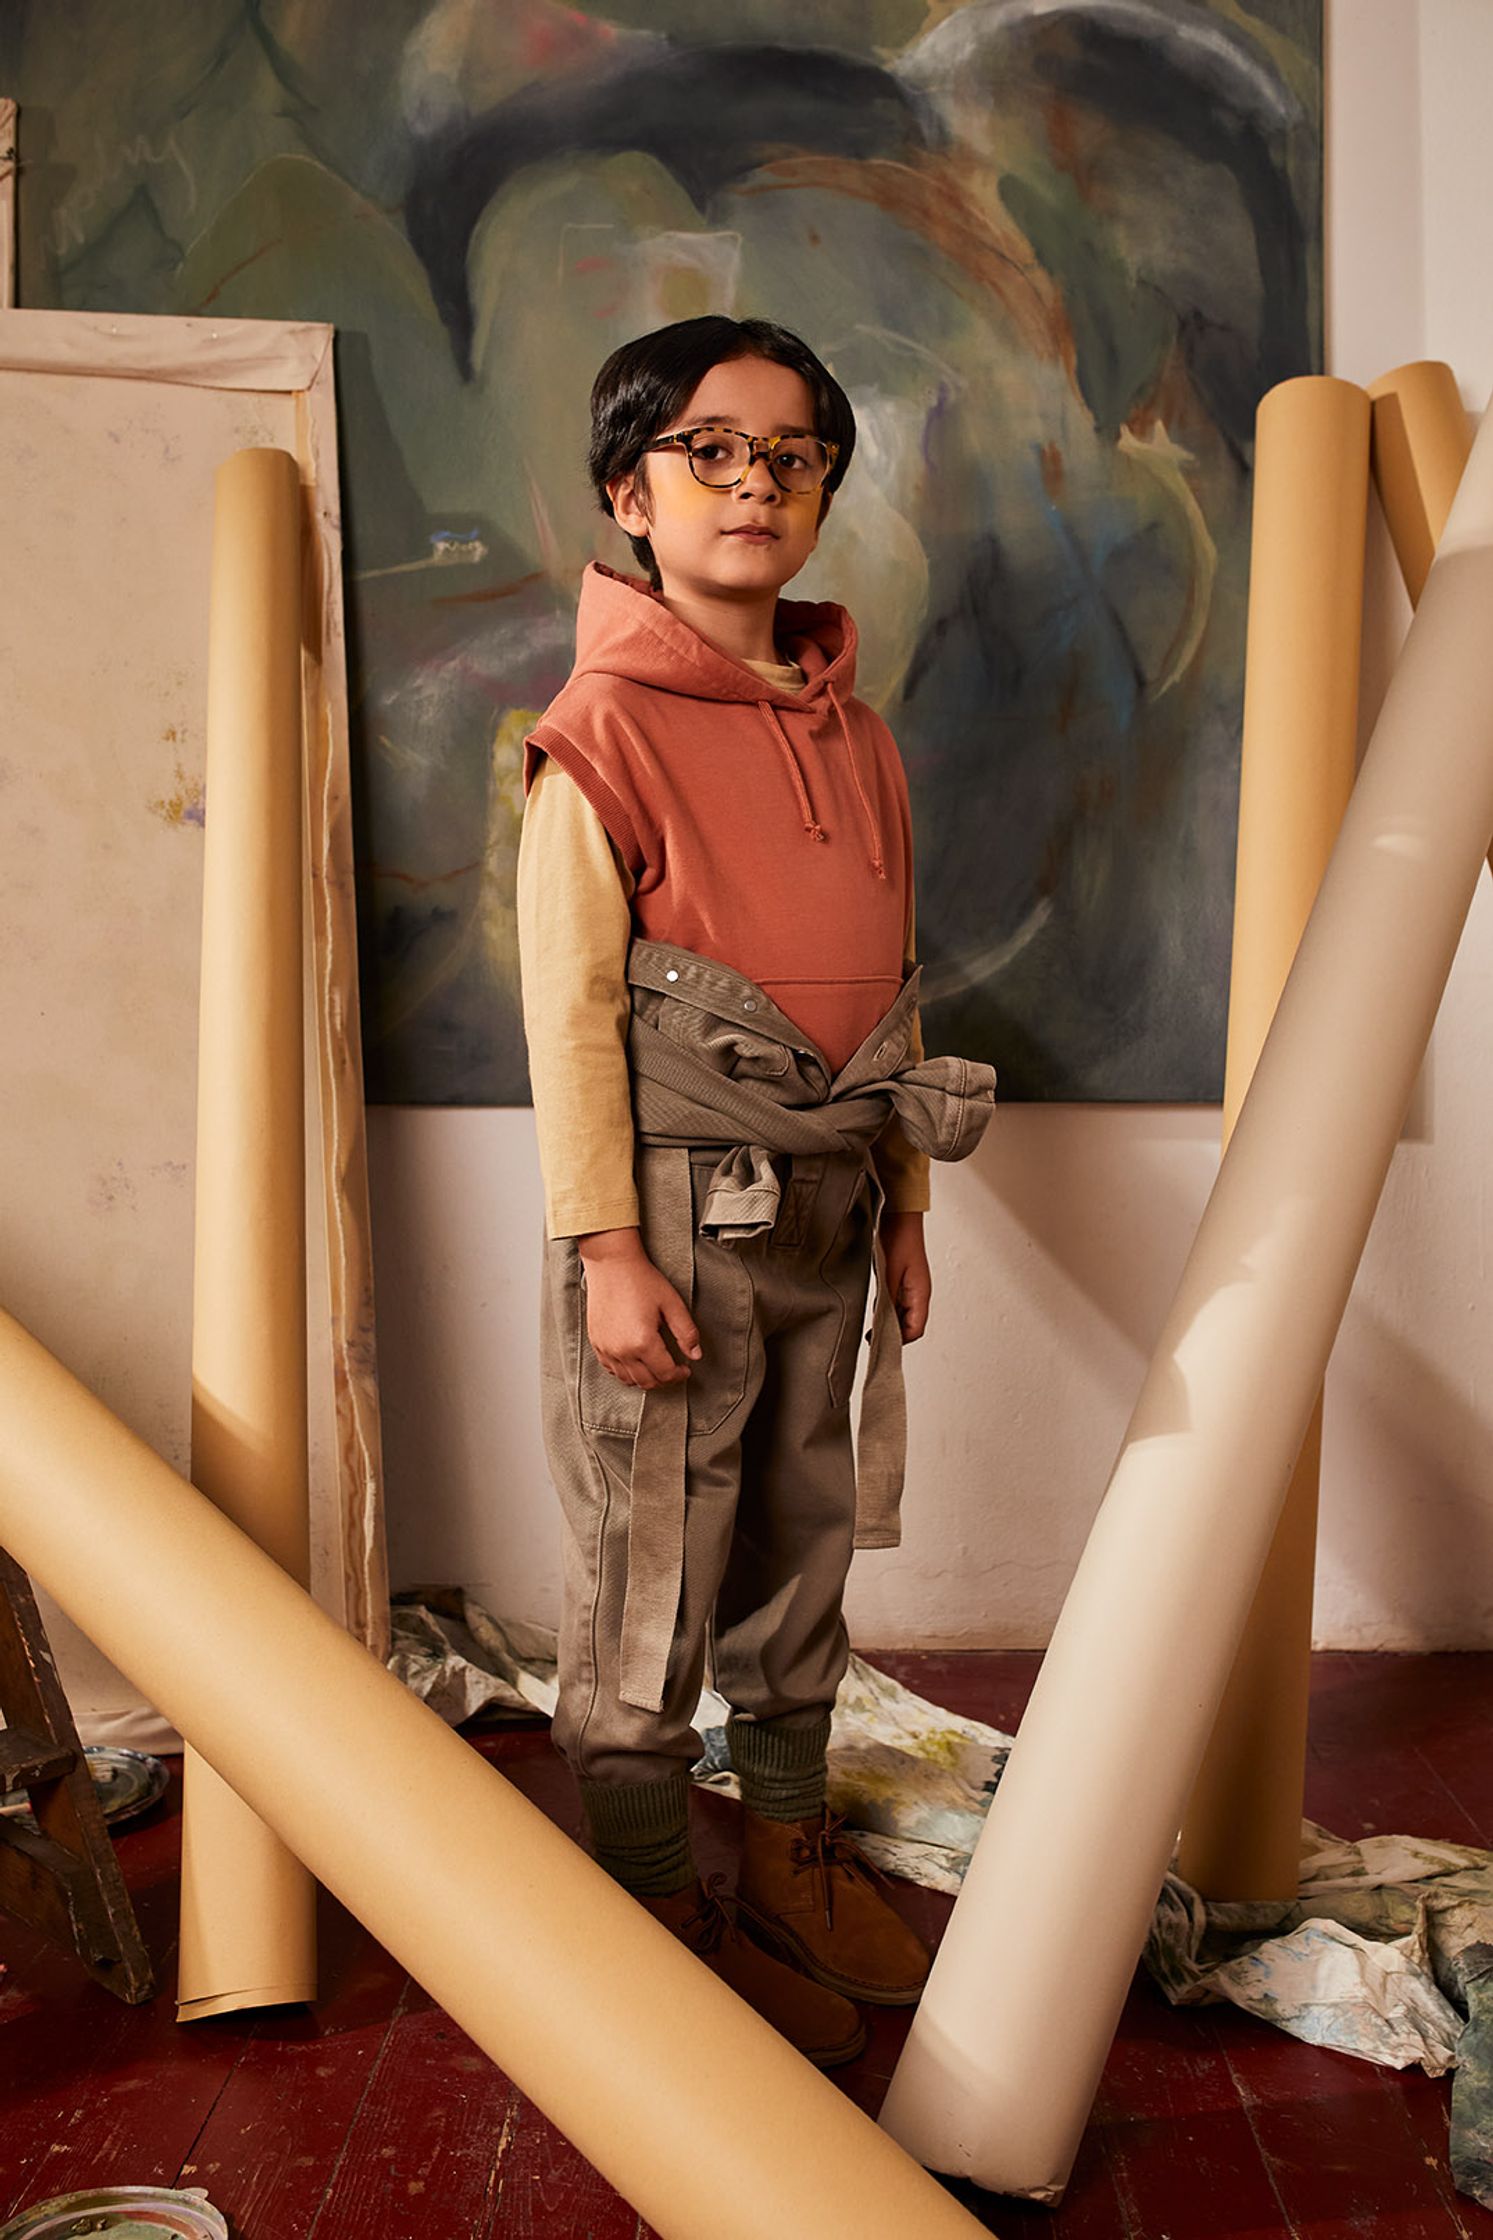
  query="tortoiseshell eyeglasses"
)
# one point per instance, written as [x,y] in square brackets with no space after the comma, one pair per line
[722,457]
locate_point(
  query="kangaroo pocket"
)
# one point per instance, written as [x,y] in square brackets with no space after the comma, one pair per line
[835,1015]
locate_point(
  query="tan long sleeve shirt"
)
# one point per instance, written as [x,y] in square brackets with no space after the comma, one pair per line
[574,930]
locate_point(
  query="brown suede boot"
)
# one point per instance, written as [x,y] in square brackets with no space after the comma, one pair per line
[825,2028]
[807,1893]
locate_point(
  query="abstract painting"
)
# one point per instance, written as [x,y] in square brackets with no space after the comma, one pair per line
[1054,250]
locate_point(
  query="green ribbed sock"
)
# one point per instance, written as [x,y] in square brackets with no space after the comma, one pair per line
[781,1767]
[640,1833]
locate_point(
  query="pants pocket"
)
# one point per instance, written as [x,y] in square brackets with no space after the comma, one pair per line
[724,1299]
[724,1305]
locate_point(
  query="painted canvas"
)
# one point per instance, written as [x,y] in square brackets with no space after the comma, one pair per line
[1055,251]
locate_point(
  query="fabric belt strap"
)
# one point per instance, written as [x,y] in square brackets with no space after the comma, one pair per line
[655,1517]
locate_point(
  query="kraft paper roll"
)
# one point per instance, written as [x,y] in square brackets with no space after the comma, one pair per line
[247,1903]
[707,2121]
[1000,2069]
[1241,1838]
[1420,448]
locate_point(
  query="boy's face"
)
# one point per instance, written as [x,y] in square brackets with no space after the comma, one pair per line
[694,531]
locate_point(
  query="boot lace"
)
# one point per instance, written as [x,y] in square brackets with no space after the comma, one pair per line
[829,1851]
[710,1921]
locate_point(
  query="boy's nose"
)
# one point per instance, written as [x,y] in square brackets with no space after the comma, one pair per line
[758,478]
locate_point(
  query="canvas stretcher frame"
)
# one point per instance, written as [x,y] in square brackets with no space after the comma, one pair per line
[274,381]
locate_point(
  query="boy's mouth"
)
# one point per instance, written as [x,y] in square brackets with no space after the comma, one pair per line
[751,529]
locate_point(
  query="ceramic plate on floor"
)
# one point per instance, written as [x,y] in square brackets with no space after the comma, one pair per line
[120,2213]
[127,1781]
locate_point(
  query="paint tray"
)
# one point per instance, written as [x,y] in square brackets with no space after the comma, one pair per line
[121,2213]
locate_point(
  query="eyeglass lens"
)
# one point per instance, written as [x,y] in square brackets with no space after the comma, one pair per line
[720,457]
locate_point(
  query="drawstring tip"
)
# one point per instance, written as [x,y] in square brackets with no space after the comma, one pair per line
[815,831]
[878,866]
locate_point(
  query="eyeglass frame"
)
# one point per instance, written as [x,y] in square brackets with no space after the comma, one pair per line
[757,447]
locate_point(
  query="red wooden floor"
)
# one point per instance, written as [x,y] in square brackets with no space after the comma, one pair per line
[373,2118]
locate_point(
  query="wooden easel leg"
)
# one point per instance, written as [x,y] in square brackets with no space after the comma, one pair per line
[66,1880]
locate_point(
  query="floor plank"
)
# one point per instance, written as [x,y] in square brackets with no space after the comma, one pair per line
[297,2088]
[544,2187]
[1177,2133]
[1391,1747]
[420,2157]
[1341,2150]
[94,2091]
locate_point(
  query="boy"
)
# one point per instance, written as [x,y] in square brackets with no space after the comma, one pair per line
[715,923]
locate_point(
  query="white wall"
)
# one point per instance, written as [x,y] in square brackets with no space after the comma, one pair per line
[1055,1249]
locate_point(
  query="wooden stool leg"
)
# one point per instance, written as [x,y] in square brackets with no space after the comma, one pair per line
[66,1880]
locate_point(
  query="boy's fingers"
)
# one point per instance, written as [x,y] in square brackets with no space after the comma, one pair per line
[677,1315]
[913,1299]
[654,1364]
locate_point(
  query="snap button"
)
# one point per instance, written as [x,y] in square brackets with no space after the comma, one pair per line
[671,974]
[749,1003]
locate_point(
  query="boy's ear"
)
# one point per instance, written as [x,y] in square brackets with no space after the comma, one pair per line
[626,504]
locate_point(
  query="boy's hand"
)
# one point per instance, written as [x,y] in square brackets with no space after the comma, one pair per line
[629,1304]
[909,1279]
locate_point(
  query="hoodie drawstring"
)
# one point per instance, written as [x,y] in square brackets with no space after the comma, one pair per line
[812,826]
[878,865]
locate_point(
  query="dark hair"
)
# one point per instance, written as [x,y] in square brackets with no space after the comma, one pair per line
[648,381]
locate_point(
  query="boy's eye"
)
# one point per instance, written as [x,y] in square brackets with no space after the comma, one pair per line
[790,458]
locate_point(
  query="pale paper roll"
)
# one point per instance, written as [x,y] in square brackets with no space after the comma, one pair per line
[1000,2069]
[248,1907]
[1241,1837]
[1421,443]
[691,2106]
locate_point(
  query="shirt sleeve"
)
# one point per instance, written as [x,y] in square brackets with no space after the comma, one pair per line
[902,1170]
[574,928]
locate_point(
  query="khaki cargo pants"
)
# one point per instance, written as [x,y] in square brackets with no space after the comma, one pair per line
[769,1510]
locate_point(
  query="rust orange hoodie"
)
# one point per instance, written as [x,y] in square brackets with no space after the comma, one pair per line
[765,827]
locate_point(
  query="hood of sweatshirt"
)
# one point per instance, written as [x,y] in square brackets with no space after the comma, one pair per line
[624,629]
